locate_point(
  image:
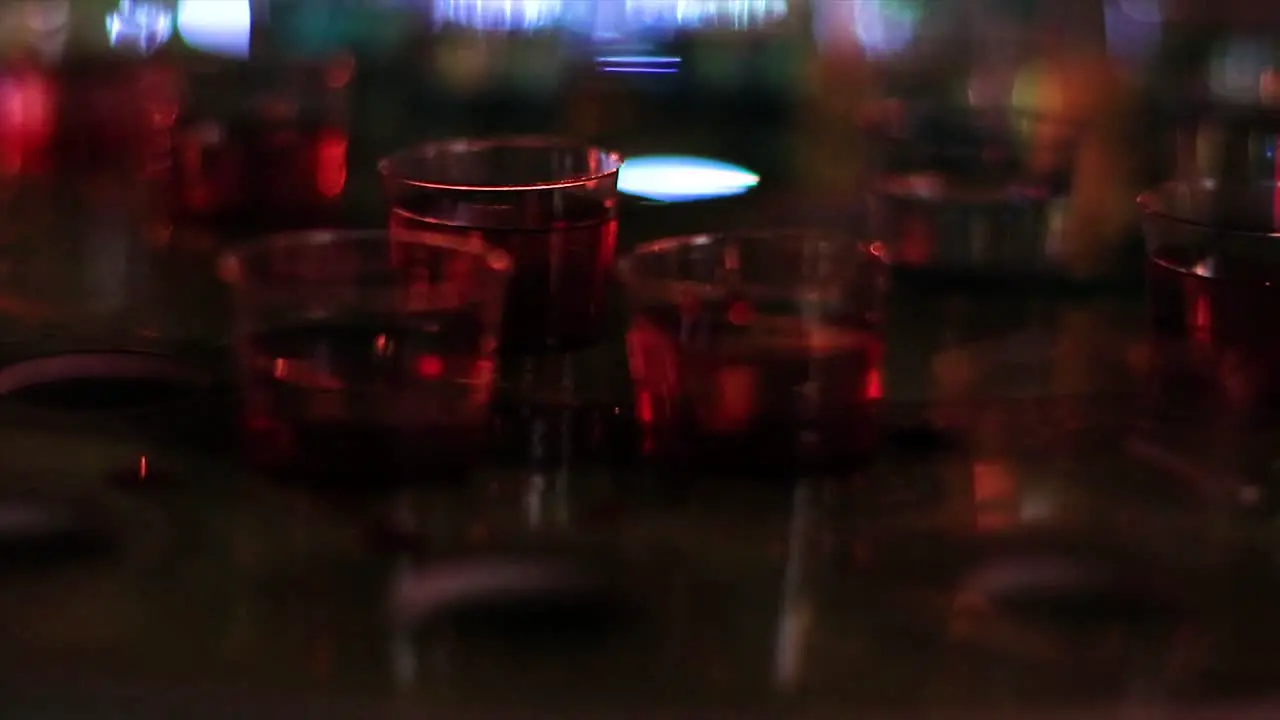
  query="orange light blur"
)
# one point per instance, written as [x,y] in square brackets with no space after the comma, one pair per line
[995,496]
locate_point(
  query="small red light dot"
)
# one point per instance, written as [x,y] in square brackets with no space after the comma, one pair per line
[430,366]
[740,313]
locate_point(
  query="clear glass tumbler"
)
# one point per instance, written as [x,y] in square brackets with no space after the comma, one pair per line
[361,371]
[550,203]
[756,353]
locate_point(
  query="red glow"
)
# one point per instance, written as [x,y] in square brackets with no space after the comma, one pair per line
[608,246]
[644,407]
[1201,315]
[484,371]
[27,110]
[331,164]
[430,366]
[874,387]
[741,313]
[142,468]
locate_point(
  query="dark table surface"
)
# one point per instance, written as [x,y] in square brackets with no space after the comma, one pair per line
[1056,452]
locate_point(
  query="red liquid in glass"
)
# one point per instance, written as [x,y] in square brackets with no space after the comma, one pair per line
[778,397]
[1223,312]
[365,406]
[1205,297]
[556,298]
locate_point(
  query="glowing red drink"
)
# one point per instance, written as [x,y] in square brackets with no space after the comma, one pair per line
[757,354]
[1214,293]
[549,203]
[360,372]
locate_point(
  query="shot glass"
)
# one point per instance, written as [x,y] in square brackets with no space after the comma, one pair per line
[548,202]
[756,353]
[359,372]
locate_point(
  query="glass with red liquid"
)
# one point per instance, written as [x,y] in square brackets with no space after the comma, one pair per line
[362,371]
[756,354]
[1214,292]
[550,203]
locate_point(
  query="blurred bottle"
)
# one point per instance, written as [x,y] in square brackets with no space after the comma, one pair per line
[1078,86]
[839,95]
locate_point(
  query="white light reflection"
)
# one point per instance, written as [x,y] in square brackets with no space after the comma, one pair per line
[728,14]
[217,27]
[660,64]
[143,26]
[676,178]
[502,15]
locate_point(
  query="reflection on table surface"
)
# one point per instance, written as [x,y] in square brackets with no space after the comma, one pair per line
[1022,552]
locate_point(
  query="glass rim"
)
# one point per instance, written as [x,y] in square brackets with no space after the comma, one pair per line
[1152,203]
[387,165]
[231,261]
[666,245]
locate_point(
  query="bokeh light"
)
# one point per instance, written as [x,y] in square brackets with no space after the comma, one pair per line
[139,25]
[678,178]
[216,27]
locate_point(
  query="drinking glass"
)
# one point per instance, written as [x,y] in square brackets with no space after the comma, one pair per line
[549,202]
[1207,280]
[756,352]
[1213,290]
[361,371]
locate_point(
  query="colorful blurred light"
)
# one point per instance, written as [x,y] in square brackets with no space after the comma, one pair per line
[216,27]
[729,14]
[680,178]
[142,26]
[505,15]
